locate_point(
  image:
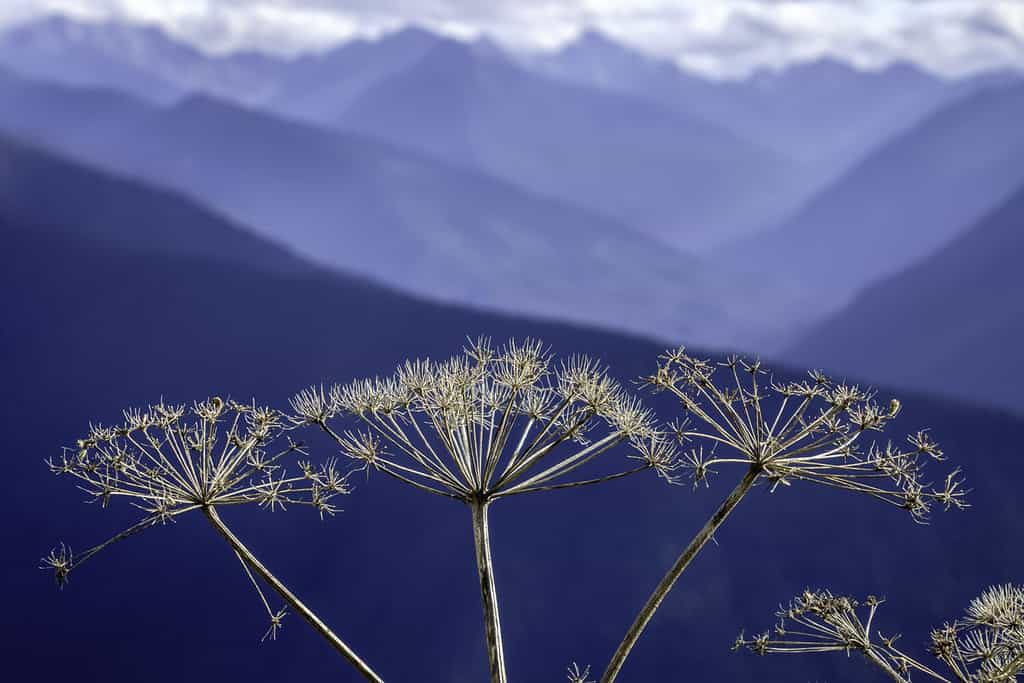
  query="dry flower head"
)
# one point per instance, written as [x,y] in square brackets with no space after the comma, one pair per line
[985,646]
[489,422]
[170,459]
[735,413]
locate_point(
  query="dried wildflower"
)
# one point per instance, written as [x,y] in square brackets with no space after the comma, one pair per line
[59,561]
[577,675]
[735,413]
[798,431]
[168,460]
[276,620]
[487,424]
[987,646]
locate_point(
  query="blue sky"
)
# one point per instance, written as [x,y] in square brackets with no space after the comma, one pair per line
[718,37]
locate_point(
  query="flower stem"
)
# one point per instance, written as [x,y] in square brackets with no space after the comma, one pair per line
[668,581]
[884,666]
[488,595]
[289,597]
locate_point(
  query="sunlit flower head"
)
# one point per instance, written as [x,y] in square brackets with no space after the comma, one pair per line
[490,422]
[986,646]
[735,413]
[170,459]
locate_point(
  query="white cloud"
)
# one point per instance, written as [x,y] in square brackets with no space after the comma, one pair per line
[723,37]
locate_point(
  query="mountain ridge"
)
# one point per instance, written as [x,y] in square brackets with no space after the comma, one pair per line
[900,203]
[950,324]
[377,211]
[824,112]
[679,178]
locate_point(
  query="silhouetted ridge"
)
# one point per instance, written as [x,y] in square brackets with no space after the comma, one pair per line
[51,196]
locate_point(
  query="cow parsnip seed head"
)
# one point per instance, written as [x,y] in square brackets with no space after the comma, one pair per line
[734,412]
[490,422]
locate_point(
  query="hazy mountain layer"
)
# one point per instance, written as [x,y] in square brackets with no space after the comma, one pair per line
[952,324]
[825,113]
[144,61]
[679,178]
[402,218]
[52,194]
[901,203]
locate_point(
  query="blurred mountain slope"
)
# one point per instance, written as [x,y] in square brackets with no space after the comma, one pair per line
[401,218]
[824,112]
[952,324]
[54,194]
[676,177]
[145,61]
[901,203]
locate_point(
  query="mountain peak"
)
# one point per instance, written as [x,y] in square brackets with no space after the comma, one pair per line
[822,69]
[596,38]
[488,48]
[906,70]
[200,101]
[448,54]
[411,35]
[51,26]
[597,43]
[827,69]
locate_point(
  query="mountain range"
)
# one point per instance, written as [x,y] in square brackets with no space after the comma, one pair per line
[900,203]
[47,193]
[138,59]
[690,182]
[93,326]
[824,113]
[144,61]
[398,217]
[594,184]
[676,177]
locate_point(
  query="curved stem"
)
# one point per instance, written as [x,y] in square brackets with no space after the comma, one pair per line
[289,597]
[893,653]
[488,595]
[884,666]
[673,574]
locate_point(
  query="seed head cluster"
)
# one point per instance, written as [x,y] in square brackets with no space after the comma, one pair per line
[985,646]
[170,459]
[490,422]
[735,413]
[987,643]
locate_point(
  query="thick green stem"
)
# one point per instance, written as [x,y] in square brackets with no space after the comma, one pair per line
[488,595]
[289,597]
[673,574]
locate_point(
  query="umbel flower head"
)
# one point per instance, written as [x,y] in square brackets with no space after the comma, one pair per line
[986,646]
[489,423]
[167,460]
[987,643]
[735,413]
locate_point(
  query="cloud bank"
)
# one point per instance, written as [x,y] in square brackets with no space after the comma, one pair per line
[721,38]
